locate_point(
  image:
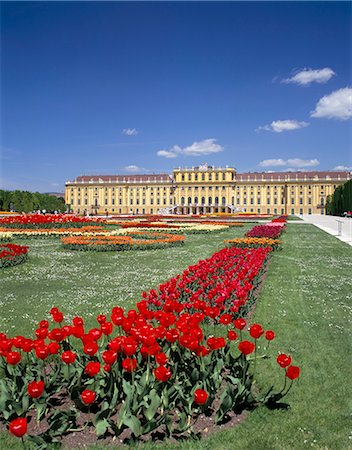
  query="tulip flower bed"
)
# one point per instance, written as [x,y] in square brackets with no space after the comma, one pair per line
[188,229]
[149,368]
[146,225]
[268,231]
[280,219]
[254,242]
[12,254]
[48,221]
[136,240]
[53,232]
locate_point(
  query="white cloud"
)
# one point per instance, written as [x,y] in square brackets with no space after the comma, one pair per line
[200,148]
[307,76]
[278,126]
[272,162]
[132,168]
[342,168]
[291,163]
[337,105]
[130,131]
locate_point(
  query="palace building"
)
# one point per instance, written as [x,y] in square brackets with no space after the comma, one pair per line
[202,190]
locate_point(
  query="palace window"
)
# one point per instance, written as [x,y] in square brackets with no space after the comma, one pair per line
[210,201]
[203,200]
[223,201]
[216,200]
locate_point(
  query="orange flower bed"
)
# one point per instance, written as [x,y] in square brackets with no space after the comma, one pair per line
[254,242]
[116,243]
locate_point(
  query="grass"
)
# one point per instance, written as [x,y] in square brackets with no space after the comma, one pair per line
[306,300]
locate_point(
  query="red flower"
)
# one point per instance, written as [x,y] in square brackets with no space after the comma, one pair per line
[90,348]
[129,346]
[88,396]
[225,319]
[42,351]
[92,368]
[200,396]
[18,427]
[58,317]
[232,335]
[109,356]
[161,358]
[68,357]
[283,360]
[246,347]
[256,331]
[57,334]
[293,372]
[35,389]
[106,328]
[101,319]
[269,335]
[162,373]
[53,348]
[239,323]
[13,358]
[129,364]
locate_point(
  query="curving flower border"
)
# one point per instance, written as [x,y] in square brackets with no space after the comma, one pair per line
[12,254]
[134,240]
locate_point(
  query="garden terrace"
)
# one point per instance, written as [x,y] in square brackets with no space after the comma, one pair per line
[312,321]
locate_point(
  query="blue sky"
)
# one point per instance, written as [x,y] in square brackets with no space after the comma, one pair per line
[128,87]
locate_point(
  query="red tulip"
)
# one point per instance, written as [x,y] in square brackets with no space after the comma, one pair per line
[269,335]
[162,373]
[35,389]
[88,396]
[200,396]
[256,331]
[283,360]
[13,358]
[68,357]
[293,372]
[92,368]
[239,323]
[129,364]
[18,427]
[246,347]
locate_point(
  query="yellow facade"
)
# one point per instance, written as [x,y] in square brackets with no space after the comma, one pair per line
[204,189]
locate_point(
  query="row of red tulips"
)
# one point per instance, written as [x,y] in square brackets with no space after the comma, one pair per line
[12,254]
[47,221]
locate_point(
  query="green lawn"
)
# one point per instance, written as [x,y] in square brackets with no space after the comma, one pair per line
[306,300]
